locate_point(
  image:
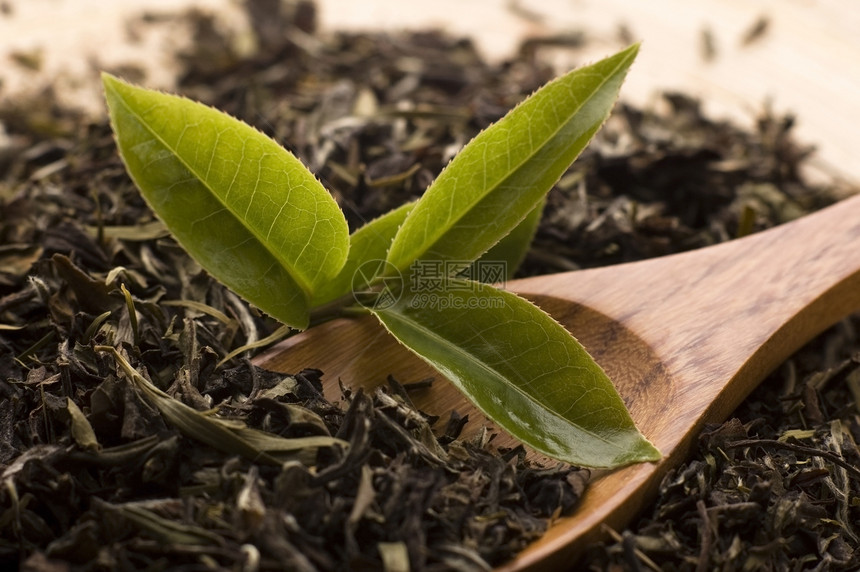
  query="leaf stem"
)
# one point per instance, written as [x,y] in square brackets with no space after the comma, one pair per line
[344,306]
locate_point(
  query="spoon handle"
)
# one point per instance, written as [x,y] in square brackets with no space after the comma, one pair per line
[720,318]
[685,338]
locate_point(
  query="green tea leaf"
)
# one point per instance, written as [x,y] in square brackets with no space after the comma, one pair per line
[164,530]
[367,251]
[500,176]
[510,250]
[246,209]
[521,368]
[369,247]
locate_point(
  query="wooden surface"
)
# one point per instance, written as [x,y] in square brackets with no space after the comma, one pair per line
[685,338]
[805,62]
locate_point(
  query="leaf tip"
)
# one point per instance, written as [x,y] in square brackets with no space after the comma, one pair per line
[112,86]
[110,82]
[648,452]
[108,77]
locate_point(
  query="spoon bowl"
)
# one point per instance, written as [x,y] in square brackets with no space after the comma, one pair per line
[685,338]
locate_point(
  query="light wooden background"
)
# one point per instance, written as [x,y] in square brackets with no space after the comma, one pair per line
[807,61]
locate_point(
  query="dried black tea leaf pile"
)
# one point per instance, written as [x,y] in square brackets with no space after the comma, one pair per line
[98,475]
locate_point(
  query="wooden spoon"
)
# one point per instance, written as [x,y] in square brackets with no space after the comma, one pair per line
[685,338]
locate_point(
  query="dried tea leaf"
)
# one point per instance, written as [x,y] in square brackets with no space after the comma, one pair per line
[284,387]
[82,431]
[93,295]
[395,556]
[163,529]
[139,232]
[17,259]
[270,339]
[230,437]
[201,307]
[249,502]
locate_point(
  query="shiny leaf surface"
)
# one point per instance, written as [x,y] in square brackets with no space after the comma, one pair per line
[246,209]
[523,370]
